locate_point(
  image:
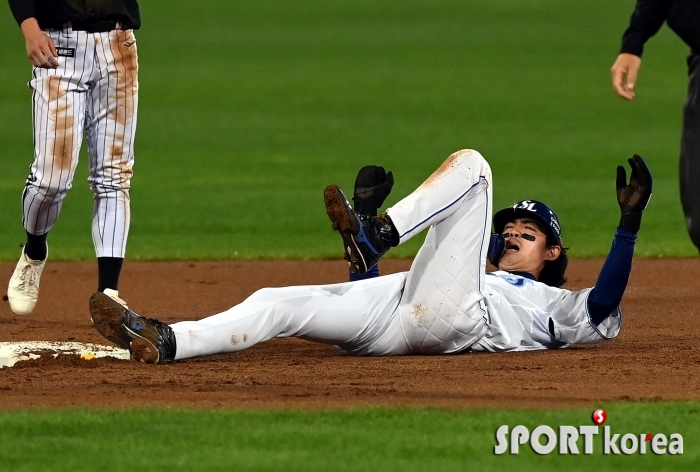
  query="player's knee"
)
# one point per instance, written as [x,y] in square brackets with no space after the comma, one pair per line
[117,185]
[48,191]
[111,177]
[265,293]
[468,157]
[105,191]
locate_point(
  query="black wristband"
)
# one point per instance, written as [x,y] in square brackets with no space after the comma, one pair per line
[631,221]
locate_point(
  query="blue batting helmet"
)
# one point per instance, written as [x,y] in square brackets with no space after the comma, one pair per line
[538,211]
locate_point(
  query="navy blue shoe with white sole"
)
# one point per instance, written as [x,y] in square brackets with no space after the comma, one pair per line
[365,238]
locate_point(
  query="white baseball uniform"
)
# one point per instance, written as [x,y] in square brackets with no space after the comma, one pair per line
[94,88]
[446,303]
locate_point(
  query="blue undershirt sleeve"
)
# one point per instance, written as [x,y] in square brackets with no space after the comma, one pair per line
[373,272]
[613,277]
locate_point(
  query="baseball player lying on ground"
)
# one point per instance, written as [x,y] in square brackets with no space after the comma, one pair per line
[446,303]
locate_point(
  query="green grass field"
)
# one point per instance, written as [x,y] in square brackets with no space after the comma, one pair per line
[249,109]
[360,439]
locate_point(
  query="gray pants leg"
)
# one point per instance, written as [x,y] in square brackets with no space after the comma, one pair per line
[689,167]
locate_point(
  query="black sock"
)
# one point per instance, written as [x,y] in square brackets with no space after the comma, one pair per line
[35,249]
[108,269]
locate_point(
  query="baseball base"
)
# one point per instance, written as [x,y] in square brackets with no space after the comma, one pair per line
[11,353]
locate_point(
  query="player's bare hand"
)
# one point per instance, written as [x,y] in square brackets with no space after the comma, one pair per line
[41,49]
[634,196]
[624,74]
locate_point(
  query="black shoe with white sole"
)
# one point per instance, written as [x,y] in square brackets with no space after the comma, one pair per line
[150,341]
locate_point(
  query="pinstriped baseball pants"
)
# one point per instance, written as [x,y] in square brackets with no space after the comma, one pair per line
[93,90]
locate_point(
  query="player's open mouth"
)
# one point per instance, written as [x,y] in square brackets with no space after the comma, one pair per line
[511,246]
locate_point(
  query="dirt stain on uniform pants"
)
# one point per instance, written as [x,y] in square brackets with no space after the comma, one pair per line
[122,105]
[61,115]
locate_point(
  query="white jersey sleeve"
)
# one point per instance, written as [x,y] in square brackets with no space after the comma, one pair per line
[524,314]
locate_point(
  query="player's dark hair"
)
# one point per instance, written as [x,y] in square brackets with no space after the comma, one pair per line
[553,272]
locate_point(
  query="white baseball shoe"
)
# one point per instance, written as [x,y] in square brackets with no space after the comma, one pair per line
[114,295]
[23,290]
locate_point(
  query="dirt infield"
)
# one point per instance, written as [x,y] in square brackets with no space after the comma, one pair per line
[657,356]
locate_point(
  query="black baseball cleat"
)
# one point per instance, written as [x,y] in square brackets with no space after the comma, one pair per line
[366,238]
[148,340]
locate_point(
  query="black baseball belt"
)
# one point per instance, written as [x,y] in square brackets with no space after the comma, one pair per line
[94,26]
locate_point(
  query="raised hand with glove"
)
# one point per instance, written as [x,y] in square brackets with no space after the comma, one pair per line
[633,197]
[372,185]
